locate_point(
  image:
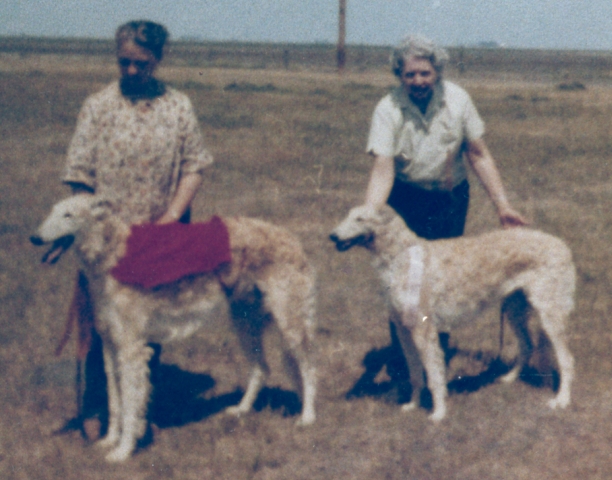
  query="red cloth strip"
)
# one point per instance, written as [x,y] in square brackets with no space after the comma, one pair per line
[161,254]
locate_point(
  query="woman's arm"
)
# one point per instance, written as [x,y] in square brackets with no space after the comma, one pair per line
[79,170]
[381,181]
[187,188]
[484,166]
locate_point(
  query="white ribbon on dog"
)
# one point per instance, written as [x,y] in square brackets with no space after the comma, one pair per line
[408,294]
[412,295]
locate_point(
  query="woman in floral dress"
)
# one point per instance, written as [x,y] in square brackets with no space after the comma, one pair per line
[138,143]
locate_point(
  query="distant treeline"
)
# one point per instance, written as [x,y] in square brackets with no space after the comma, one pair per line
[588,65]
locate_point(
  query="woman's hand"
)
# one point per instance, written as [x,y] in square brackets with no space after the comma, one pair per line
[509,218]
[185,193]
[167,217]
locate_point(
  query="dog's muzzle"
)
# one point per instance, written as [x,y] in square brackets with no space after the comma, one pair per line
[58,247]
[37,241]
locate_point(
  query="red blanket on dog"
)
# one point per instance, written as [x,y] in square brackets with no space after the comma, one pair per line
[161,254]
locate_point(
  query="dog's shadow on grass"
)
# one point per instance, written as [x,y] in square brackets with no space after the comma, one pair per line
[398,389]
[178,396]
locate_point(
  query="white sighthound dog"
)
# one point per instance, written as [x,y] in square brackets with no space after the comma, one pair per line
[268,271]
[433,284]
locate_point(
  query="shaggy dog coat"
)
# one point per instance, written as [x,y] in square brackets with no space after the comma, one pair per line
[268,274]
[431,285]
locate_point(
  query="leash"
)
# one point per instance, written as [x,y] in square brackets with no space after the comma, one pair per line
[81,313]
[502,318]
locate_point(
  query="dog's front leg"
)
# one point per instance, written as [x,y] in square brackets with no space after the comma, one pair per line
[415,366]
[425,336]
[309,389]
[114,401]
[135,387]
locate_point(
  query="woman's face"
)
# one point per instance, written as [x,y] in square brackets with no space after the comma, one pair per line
[419,78]
[136,64]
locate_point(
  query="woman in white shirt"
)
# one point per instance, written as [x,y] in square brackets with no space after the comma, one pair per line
[423,136]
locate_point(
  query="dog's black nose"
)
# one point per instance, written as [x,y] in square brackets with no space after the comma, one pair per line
[36,240]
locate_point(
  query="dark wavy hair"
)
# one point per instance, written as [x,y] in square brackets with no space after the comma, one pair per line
[149,35]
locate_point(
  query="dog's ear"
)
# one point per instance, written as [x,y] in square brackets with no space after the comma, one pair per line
[101,208]
[386,214]
[363,213]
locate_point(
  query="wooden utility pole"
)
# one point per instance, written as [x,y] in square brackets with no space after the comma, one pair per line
[341,54]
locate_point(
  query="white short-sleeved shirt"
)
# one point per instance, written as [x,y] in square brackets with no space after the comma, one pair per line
[428,149]
[136,153]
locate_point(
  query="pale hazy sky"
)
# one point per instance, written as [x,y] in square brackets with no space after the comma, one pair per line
[562,24]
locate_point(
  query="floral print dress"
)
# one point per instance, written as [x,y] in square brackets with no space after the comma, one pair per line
[134,153]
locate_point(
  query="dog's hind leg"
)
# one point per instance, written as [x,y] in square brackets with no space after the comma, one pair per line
[553,325]
[516,310]
[566,374]
[134,387]
[250,324]
[256,382]
[301,344]
[290,299]
[299,357]
[554,302]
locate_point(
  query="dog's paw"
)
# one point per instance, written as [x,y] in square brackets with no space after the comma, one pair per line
[306,420]
[409,407]
[558,402]
[119,454]
[511,376]
[236,411]
[108,441]
[438,415]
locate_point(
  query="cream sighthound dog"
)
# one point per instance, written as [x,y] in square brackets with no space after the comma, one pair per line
[268,271]
[433,284]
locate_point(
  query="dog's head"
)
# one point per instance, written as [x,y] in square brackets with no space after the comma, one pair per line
[66,220]
[360,226]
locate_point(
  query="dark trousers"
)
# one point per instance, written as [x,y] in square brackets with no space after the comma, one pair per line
[431,215]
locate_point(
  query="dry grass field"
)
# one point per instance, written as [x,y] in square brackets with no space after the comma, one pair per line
[288,145]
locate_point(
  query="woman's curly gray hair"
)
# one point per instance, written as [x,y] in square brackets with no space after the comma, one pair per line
[418,47]
[149,35]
